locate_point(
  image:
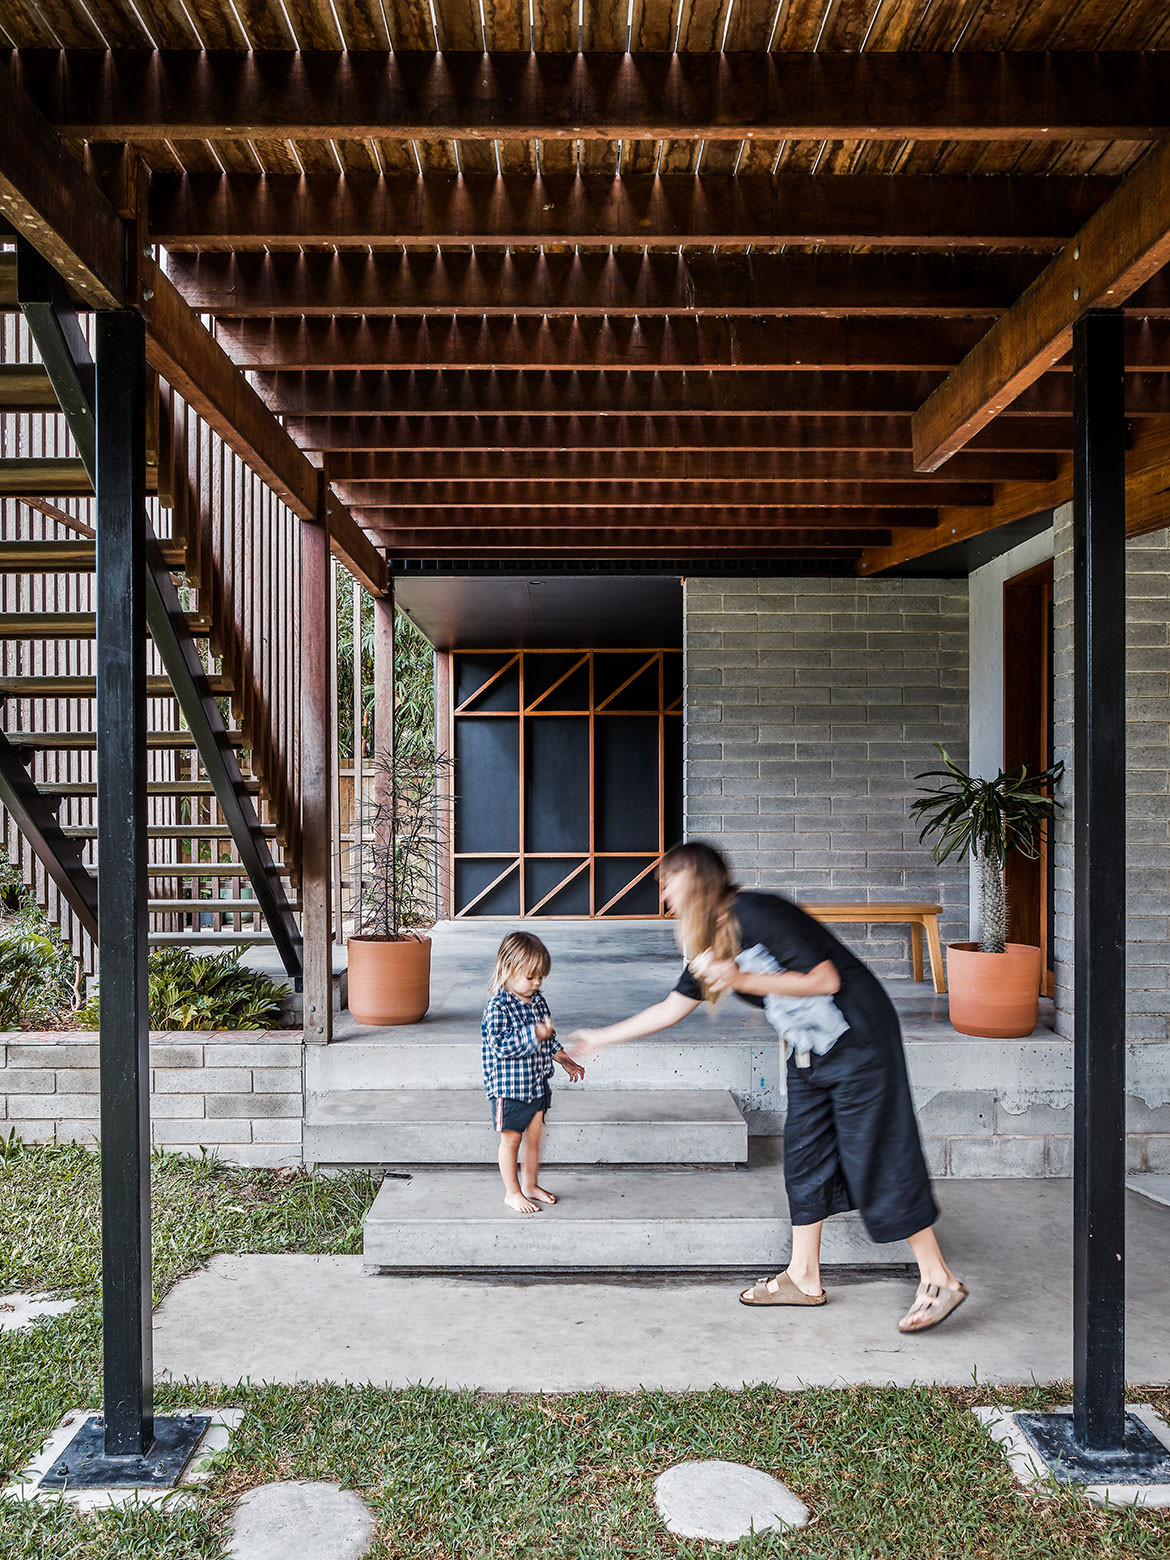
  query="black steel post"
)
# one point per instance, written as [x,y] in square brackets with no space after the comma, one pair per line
[121,770]
[1099,883]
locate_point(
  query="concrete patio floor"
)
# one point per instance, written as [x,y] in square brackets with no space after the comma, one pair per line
[306,1318]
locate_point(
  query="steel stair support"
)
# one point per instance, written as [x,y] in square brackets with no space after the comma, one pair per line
[60,854]
[53,323]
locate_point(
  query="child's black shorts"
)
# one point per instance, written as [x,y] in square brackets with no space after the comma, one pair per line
[515,1115]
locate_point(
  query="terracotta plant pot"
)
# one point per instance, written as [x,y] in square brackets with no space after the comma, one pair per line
[389,982]
[994,994]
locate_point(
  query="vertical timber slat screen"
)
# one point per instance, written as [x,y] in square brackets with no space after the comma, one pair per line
[568,780]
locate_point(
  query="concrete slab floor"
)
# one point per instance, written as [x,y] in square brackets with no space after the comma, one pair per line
[304,1318]
[601,971]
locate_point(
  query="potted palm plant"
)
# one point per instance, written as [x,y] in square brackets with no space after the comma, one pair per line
[994,985]
[389,951]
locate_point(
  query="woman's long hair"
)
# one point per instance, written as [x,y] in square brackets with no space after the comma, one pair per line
[705,915]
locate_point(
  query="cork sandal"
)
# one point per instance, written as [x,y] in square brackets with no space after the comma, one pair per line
[779,1291]
[934,1303]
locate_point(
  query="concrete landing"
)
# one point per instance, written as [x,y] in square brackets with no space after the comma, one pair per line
[453,1127]
[301,1318]
[663,1220]
[1155,1187]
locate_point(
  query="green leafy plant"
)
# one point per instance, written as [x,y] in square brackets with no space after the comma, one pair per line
[407,832]
[202,991]
[414,678]
[38,973]
[984,819]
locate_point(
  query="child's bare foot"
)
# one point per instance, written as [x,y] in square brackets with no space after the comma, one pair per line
[519,1203]
[540,1195]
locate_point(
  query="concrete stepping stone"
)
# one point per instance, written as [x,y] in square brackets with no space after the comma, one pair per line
[312,1521]
[725,1501]
[21,1310]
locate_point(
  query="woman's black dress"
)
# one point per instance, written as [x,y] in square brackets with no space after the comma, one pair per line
[850,1139]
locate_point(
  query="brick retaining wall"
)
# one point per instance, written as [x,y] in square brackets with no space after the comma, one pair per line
[237,1093]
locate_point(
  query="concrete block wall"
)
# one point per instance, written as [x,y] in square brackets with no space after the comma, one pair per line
[811,704]
[239,1094]
[1148,789]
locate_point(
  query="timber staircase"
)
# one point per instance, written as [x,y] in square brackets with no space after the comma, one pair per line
[222,594]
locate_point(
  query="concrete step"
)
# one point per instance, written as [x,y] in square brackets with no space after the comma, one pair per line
[585,1127]
[640,1220]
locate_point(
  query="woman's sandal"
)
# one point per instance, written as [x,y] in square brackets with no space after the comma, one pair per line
[936,1303]
[779,1291]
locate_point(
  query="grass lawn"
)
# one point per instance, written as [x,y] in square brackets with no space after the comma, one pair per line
[885,1472]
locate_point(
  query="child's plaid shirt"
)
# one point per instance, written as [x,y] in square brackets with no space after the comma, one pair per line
[516,1065]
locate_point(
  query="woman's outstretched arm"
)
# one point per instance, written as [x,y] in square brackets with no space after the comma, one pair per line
[673,1007]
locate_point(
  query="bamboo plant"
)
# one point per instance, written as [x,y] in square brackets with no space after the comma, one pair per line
[984,819]
[406,823]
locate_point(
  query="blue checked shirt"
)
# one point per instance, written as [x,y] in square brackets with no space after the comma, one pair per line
[516,1065]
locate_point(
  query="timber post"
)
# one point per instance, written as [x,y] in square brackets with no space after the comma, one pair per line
[316,776]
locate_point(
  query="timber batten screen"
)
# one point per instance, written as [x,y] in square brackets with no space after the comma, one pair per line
[568,780]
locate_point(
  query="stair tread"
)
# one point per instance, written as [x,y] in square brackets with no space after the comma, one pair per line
[671,1219]
[572,1103]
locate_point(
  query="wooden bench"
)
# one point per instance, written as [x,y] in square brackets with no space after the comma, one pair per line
[920,918]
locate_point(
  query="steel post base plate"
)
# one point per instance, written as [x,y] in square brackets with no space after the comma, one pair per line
[1145,1460]
[83,1465]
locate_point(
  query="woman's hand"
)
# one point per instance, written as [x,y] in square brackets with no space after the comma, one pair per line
[721,975]
[585,1042]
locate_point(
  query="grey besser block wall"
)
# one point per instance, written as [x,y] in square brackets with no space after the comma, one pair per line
[811,704]
[1148,766]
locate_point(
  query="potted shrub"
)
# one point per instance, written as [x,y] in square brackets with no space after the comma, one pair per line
[994,985]
[389,952]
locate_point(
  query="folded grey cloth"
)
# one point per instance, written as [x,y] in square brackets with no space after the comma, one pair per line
[804,1023]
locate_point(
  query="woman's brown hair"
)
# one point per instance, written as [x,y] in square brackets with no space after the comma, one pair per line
[705,920]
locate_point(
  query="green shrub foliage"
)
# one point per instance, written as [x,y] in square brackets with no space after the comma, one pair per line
[38,973]
[202,991]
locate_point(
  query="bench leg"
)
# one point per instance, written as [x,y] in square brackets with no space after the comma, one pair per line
[916,948]
[934,942]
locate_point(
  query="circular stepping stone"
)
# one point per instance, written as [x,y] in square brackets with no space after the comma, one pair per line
[310,1521]
[725,1501]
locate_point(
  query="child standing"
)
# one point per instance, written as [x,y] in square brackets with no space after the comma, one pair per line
[519,1049]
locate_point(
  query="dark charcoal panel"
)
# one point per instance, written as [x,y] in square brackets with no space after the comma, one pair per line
[672,774]
[642,694]
[472,671]
[471,877]
[626,801]
[672,677]
[556,767]
[612,875]
[611,670]
[487,779]
[541,877]
[542,671]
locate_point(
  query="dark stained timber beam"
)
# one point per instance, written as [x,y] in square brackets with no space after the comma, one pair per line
[500,524]
[49,199]
[489,467]
[915,211]
[1118,249]
[584,539]
[183,95]
[750,393]
[653,435]
[492,282]
[630,343]
[405,497]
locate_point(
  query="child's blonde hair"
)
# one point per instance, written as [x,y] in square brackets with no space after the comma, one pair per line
[520,954]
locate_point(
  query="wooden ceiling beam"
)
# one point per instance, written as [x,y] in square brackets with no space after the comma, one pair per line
[586,538]
[586,554]
[755,393]
[138,95]
[914,211]
[651,435]
[637,466]
[716,496]
[1118,249]
[497,282]
[501,523]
